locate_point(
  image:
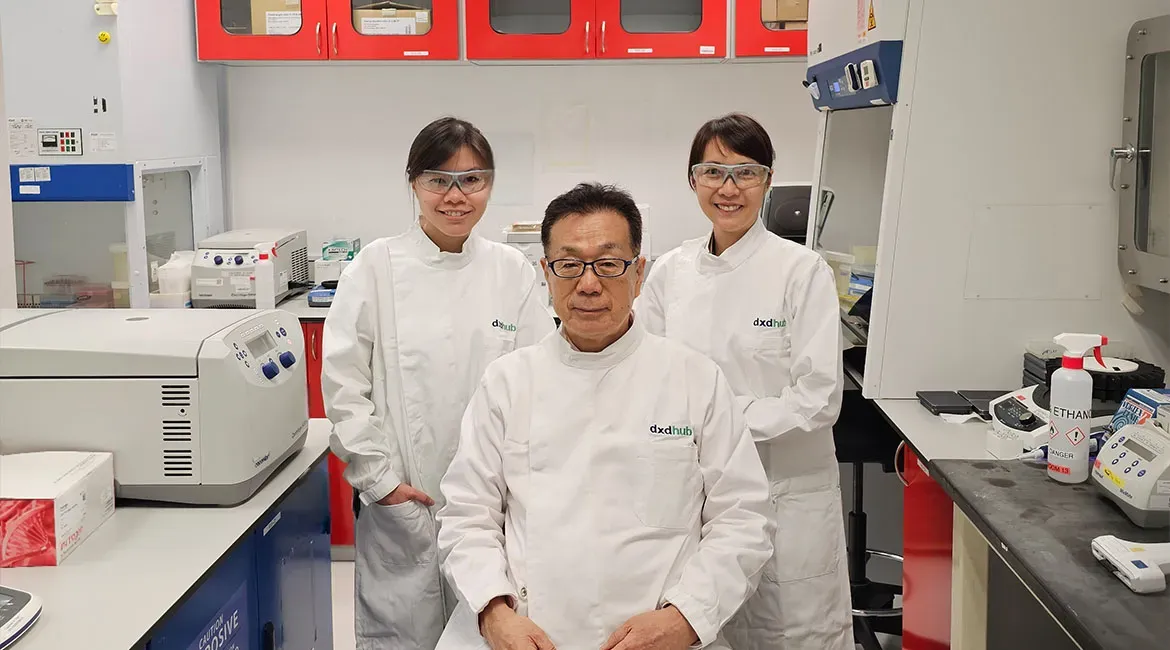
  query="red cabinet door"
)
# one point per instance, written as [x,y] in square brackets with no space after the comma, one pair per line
[927,540]
[531,29]
[430,32]
[632,29]
[766,28]
[313,335]
[260,30]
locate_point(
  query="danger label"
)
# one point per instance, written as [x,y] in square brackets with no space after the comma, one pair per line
[1076,436]
[872,17]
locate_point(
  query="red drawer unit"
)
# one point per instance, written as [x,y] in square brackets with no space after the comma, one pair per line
[927,540]
[340,492]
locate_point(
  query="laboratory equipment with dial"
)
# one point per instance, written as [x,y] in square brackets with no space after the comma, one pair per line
[223,274]
[197,406]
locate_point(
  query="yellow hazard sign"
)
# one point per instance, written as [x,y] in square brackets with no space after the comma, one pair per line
[872,18]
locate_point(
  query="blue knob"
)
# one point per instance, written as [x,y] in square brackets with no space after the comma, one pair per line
[287,359]
[218,260]
[239,259]
[270,370]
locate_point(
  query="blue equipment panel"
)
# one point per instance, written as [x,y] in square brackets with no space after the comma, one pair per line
[841,83]
[108,182]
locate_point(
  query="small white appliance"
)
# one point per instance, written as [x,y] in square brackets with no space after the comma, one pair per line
[1024,414]
[1142,567]
[223,274]
[1133,470]
[19,611]
[197,406]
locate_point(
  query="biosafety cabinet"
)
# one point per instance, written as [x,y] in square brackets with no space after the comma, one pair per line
[976,200]
[114,146]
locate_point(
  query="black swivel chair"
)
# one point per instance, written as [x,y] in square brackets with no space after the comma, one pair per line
[861,434]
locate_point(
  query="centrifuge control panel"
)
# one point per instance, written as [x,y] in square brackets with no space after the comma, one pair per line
[267,351]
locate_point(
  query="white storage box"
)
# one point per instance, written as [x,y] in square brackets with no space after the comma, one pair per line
[51,502]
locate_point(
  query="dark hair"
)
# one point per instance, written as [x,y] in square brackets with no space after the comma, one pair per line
[737,132]
[440,140]
[588,198]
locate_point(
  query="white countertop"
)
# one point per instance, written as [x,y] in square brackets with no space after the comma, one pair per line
[126,577]
[932,438]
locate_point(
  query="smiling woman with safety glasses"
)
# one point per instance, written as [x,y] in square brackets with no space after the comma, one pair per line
[416,320]
[765,309]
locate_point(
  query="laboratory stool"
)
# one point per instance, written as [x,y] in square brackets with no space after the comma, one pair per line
[863,436]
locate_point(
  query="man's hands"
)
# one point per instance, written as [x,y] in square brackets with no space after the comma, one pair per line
[504,629]
[404,493]
[663,629]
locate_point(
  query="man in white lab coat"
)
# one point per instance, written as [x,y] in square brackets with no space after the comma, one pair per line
[606,492]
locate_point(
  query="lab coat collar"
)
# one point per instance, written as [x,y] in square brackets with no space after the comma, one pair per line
[736,254]
[607,358]
[430,254]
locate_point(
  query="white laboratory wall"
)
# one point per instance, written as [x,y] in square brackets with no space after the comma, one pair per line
[324,148]
[999,225]
[7,256]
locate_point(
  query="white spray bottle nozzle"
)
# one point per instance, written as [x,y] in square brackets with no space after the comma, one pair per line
[1076,346]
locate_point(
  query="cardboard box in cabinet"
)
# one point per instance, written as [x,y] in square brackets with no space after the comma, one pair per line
[392,22]
[276,17]
[51,502]
[775,11]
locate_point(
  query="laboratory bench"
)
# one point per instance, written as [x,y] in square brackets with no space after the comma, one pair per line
[975,525]
[163,577]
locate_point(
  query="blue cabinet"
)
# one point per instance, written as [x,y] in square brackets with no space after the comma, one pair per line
[273,591]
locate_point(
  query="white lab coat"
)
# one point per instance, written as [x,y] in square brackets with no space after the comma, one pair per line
[408,336]
[569,495]
[766,311]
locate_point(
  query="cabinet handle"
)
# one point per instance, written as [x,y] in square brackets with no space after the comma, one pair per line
[901,473]
[603,37]
[318,39]
[334,39]
[313,344]
[587,25]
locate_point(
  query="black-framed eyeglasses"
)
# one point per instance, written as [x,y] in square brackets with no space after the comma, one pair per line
[606,267]
[745,176]
[468,182]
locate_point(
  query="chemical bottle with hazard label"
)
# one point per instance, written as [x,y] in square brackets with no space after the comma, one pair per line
[1072,408]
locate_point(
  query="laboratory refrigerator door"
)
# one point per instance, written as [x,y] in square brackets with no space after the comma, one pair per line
[656,29]
[767,28]
[260,30]
[386,31]
[531,29]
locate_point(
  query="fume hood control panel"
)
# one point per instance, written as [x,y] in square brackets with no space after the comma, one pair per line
[864,77]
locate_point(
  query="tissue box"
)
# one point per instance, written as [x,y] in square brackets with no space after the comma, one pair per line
[51,502]
[340,249]
[1140,405]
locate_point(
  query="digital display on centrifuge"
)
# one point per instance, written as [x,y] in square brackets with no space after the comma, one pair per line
[260,345]
[1139,450]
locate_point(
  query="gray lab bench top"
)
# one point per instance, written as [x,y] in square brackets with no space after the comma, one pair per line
[1042,530]
[141,563]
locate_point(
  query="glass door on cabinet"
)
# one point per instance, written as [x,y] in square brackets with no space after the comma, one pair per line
[662,28]
[530,29]
[771,27]
[390,30]
[260,30]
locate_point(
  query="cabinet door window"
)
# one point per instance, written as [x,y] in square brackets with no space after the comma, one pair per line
[261,17]
[391,19]
[784,15]
[530,16]
[661,16]
[1152,223]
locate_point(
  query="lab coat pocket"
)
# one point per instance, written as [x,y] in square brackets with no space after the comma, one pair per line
[668,487]
[809,530]
[499,343]
[404,534]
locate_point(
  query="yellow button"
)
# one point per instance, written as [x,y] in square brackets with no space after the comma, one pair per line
[103,37]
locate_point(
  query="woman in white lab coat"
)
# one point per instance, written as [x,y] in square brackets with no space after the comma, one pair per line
[415,321]
[765,309]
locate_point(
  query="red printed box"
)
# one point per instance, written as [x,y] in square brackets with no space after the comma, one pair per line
[51,502]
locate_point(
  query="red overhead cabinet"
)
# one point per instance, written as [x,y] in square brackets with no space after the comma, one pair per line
[771,28]
[305,30]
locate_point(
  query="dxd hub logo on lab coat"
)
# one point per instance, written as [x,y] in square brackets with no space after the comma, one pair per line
[672,431]
[771,323]
[501,325]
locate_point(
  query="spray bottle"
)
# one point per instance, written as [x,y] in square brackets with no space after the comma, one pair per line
[1072,408]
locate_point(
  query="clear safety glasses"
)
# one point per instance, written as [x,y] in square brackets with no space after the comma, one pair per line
[606,267]
[745,177]
[468,182]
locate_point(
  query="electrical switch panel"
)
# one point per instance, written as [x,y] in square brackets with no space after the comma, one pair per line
[60,142]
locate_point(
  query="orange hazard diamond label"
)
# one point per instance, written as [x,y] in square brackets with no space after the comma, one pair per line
[1076,436]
